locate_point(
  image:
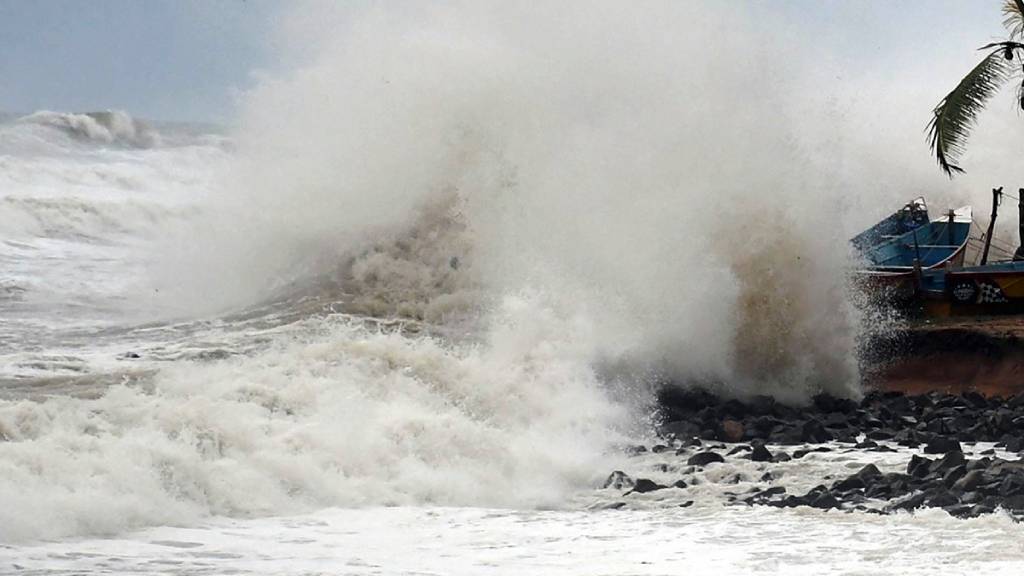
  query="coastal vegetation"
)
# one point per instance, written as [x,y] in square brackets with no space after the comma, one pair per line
[957,114]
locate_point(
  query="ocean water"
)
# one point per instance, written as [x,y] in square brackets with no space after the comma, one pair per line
[306,435]
[405,313]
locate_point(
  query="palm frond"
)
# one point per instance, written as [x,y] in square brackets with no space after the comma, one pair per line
[957,113]
[1013,17]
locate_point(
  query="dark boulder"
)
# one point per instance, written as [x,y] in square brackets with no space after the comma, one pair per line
[730,430]
[681,429]
[850,483]
[907,437]
[815,432]
[969,482]
[761,405]
[941,499]
[942,445]
[824,501]
[760,453]
[918,467]
[880,434]
[805,451]
[704,458]
[869,472]
[949,460]
[1014,444]
[1015,503]
[643,485]
[953,475]
[685,400]
[618,480]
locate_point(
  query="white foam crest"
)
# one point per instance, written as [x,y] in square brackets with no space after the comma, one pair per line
[348,417]
[106,127]
[77,218]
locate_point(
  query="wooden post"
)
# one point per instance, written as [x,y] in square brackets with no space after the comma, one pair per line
[949,227]
[1019,254]
[996,193]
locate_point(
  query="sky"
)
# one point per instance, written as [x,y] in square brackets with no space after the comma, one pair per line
[160,59]
[191,60]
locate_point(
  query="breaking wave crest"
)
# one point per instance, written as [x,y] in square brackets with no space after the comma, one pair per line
[342,417]
[455,156]
[106,127]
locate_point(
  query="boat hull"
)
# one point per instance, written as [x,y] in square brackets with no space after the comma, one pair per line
[979,290]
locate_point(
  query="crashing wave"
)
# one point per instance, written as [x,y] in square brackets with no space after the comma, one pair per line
[105,127]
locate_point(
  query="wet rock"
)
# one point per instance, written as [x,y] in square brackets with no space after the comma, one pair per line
[911,502]
[644,485]
[659,448]
[761,405]
[681,429]
[685,400]
[704,458]
[918,467]
[946,478]
[907,437]
[942,445]
[814,431]
[949,460]
[869,472]
[953,475]
[941,499]
[969,482]
[880,434]
[805,451]
[686,504]
[1014,503]
[679,484]
[730,431]
[760,453]
[849,484]
[786,436]
[824,501]
[618,480]
[1015,444]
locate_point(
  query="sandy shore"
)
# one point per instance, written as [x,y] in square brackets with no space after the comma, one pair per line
[950,355]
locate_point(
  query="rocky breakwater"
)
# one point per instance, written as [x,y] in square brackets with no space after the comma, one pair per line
[960,453]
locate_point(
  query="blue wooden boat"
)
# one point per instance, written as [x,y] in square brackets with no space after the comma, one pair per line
[912,215]
[938,243]
[894,267]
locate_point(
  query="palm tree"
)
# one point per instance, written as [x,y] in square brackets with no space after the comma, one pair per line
[957,113]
